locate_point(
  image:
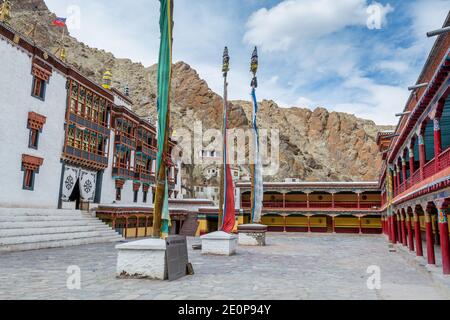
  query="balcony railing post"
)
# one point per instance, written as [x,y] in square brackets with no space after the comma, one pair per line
[437,142]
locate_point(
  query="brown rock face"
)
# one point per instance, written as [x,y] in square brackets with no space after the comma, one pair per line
[314,145]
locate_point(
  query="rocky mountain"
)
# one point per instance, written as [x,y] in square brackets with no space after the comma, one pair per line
[314,145]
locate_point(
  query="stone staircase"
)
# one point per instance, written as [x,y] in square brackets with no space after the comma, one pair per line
[30,229]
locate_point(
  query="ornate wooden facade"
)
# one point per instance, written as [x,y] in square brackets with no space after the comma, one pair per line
[415,177]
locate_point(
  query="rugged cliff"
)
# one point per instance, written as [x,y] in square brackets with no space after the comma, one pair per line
[314,145]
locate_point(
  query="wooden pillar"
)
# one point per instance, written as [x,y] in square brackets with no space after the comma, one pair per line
[359,200]
[333,205]
[394,228]
[284,200]
[394,180]
[422,155]
[360,225]
[334,223]
[410,234]
[285,222]
[113,224]
[146,226]
[126,227]
[430,240]
[399,228]
[309,224]
[418,234]
[411,161]
[437,142]
[137,226]
[403,225]
[307,200]
[443,231]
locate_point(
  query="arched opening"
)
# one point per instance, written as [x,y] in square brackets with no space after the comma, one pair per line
[428,135]
[400,170]
[444,112]
[406,157]
[415,146]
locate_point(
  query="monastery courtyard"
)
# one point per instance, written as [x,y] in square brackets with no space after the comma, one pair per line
[292,266]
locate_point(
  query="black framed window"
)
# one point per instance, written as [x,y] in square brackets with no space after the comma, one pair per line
[118,194]
[39,87]
[144,198]
[135,197]
[28,179]
[33,140]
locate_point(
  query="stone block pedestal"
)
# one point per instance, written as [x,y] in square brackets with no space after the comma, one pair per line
[219,243]
[142,259]
[252,234]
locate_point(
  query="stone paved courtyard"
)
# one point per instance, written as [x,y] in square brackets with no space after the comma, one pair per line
[292,266]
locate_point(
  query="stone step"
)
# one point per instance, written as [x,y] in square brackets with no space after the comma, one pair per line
[44,218]
[48,224]
[54,237]
[59,243]
[26,211]
[17,232]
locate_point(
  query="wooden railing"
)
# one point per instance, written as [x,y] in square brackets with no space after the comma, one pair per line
[429,170]
[316,205]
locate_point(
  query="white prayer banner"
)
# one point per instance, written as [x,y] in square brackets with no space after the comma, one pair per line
[71,175]
[88,181]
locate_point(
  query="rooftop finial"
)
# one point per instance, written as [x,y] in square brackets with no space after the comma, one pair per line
[254,68]
[107,79]
[226,62]
[5,11]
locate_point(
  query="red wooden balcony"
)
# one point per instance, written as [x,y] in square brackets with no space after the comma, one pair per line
[429,170]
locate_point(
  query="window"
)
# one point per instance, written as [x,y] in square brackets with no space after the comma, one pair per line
[30,166]
[135,197]
[33,139]
[28,179]
[144,199]
[118,194]
[38,88]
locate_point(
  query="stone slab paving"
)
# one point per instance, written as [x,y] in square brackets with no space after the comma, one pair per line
[292,266]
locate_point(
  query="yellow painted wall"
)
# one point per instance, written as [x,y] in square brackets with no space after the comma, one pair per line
[347,222]
[371,223]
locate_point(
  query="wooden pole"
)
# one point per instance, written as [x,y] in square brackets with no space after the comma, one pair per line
[162,172]
[222,171]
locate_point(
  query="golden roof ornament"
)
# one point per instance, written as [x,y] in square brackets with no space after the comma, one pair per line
[5,11]
[107,79]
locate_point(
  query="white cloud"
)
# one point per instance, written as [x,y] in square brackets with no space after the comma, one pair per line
[282,26]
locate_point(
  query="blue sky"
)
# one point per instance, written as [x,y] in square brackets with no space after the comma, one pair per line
[312,52]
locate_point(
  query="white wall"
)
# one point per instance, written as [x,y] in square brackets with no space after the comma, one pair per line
[15,103]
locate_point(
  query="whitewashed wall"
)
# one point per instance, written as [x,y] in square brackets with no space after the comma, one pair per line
[15,103]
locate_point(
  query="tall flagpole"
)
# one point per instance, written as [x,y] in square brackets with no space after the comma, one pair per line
[255,167]
[225,69]
[161,217]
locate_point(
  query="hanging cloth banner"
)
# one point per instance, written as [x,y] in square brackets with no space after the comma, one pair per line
[161,210]
[166,222]
[88,181]
[71,175]
[258,176]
